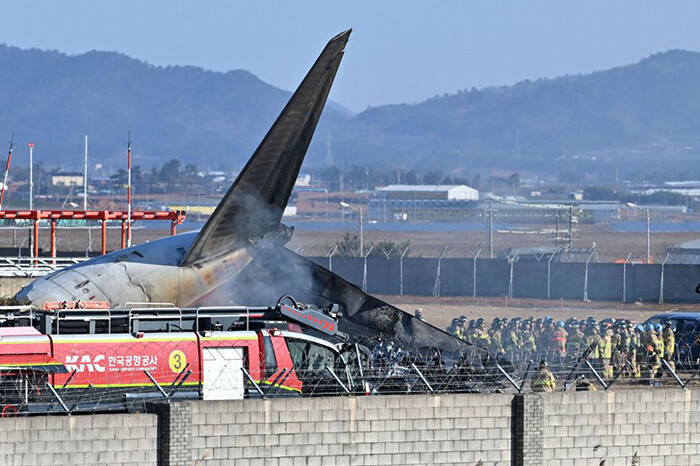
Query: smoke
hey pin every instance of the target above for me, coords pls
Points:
(276, 271)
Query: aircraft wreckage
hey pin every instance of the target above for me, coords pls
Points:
(239, 254)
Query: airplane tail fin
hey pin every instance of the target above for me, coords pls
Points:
(254, 204)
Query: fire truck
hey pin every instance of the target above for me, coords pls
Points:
(72, 356)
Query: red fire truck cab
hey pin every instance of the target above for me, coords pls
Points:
(77, 359)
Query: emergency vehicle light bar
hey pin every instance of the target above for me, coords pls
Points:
(312, 318)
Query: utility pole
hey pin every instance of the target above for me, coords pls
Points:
(490, 232)
(648, 242)
(85, 174)
(7, 170)
(31, 175)
(128, 194)
(362, 221)
(571, 227)
(489, 239)
(647, 214)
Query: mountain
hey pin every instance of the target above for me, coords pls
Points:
(645, 114)
(211, 118)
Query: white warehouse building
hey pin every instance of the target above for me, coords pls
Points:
(429, 191)
(401, 202)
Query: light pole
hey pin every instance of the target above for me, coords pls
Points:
(361, 214)
(648, 218)
(31, 175)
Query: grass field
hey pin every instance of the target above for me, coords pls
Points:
(610, 245)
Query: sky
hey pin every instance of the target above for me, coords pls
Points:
(400, 52)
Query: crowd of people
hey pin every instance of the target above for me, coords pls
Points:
(614, 348)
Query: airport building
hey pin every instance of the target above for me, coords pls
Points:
(423, 203)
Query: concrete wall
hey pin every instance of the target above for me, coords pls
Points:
(98, 439)
(447, 429)
(661, 426)
(606, 281)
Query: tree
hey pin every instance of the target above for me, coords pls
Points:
(411, 177)
(170, 172)
(120, 178)
(514, 181)
(349, 246)
(432, 177)
(600, 193)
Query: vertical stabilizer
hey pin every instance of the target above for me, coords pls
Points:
(254, 204)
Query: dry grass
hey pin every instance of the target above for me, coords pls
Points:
(610, 244)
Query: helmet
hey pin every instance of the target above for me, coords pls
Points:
(658, 327)
(639, 328)
(560, 324)
(650, 327)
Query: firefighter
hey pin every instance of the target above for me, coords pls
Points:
(419, 314)
(558, 341)
(495, 336)
(669, 344)
(593, 342)
(574, 341)
(543, 380)
(453, 328)
(480, 336)
(634, 350)
(653, 346)
(652, 361)
(618, 351)
(545, 342)
(606, 353)
(528, 340)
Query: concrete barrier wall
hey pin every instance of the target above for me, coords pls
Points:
(98, 439)
(660, 426)
(448, 429)
(530, 278)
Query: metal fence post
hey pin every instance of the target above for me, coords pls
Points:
(549, 274)
(511, 261)
(364, 272)
(330, 258)
(474, 274)
(436, 288)
(661, 285)
(585, 278)
(624, 278)
(401, 272)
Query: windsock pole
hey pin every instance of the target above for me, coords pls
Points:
(128, 195)
(7, 169)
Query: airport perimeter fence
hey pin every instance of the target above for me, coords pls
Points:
(113, 382)
(515, 277)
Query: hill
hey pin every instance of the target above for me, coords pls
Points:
(645, 113)
(648, 110)
(211, 118)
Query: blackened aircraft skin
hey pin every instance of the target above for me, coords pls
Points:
(239, 252)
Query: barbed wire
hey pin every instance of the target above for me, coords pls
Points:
(129, 377)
